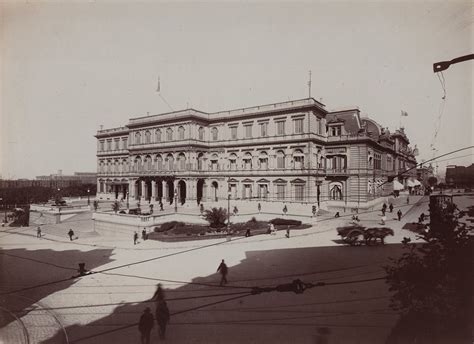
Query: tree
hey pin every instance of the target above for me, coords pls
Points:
(116, 206)
(216, 217)
(432, 283)
(432, 181)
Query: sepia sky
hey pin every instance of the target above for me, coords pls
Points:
(67, 68)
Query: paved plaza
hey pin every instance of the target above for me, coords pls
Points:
(103, 307)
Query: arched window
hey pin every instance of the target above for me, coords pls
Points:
(116, 166)
(170, 162)
(159, 162)
(182, 161)
(201, 133)
(148, 163)
(109, 166)
(181, 133)
(102, 166)
(200, 161)
(214, 134)
(147, 136)
(169, 134)
(233, 162)
(138, 164)
(335, 192)
(158, 135)
(137, 138)
(263, 161)
(124, 165)
(280, 159)
(247, 161)
(298, 159)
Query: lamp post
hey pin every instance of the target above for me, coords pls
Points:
(175, 200)
(88, 197)
(127, 200)
(228, 210)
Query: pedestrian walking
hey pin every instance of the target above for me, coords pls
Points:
(390, 207)
(162, 317)
(145, 326)
(144, 234)
(38, 232)
(408, 200)
(223, 270)
(161, 206)
(159, 293)
(272, 229)
(383, 211)
(384, 207)
(71, 234)
(384, 218)
(337, 215)
(247, 232)
(399, 214)
(287, 232)
(135, 238)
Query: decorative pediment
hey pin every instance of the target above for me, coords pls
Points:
(280, 181)
(298, 181)
(246, 180)
(263, 180)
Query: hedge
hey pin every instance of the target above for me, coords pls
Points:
(285, 222)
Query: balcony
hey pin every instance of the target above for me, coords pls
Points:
(336, 171)
(343, 138)
(113, 131)
(112, 152)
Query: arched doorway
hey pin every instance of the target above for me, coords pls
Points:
(159, 193)
(170, 191)
(200, 190)
(215, 187)
(138, 190)
(182, 191)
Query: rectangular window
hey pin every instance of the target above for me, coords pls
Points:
(318, 126)
(109, 145)
(124, 143)
(101, 146)
(377, 161)
(389, 163)
(280, 127)
(264, 129)
(299, 192)
(280, 191)
(298, 125)
(248, 130)
(233, 133)
(335, 131)
(117, 144)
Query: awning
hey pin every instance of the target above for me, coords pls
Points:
(397, 186)
(417, 182)
(410, 183)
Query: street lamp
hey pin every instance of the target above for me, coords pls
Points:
(175, 200)
(88, 198)
(228, 209)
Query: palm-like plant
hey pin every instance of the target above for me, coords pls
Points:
(216, 217)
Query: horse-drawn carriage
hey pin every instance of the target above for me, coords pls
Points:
(356, 235)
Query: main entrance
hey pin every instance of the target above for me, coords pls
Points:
(182, 191)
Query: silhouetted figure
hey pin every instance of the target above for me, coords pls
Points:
(408, 200)
(383, 211)
(247, 233)
(337, 215)
(399, 214)
(162, 317)
(390, 207)
(144, 234)
(71, 234)
(287, 232)
(223, 270)
(135, 238)
(285, 209)
(161, 206)
(384, 208)
(38, 232)
(145, 326)
(159, 293)
(422, 217)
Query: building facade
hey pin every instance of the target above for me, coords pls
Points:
(460, 176)
(294, 151)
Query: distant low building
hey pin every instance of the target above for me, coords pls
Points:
(460, 176)
(423, 173)
(60, 180)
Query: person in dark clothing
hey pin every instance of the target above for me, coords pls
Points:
(247, 232)
(162, 317)
(161, 206)
(390, 207)
(135, 238)
(38, 232)
(337, 215)
(71, 234)
(159, 293)
(384, 208)
(223, 270)
(399, 214)
(383, 211)
(144, 234)
(287, 232)
(422, 217)
(145, 326)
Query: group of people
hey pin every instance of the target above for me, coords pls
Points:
(162, 316)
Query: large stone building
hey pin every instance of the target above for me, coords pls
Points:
(294, 151)
(460, 176)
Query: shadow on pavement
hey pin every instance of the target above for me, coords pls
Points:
(337, 312)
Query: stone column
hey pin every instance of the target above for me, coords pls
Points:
(153, 190)
(98, 186)
(164, 191)
(131, 189)
(143, 186)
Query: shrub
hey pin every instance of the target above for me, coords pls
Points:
(285, 222)
(216, 217)
(166, 226)
(253, 219)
